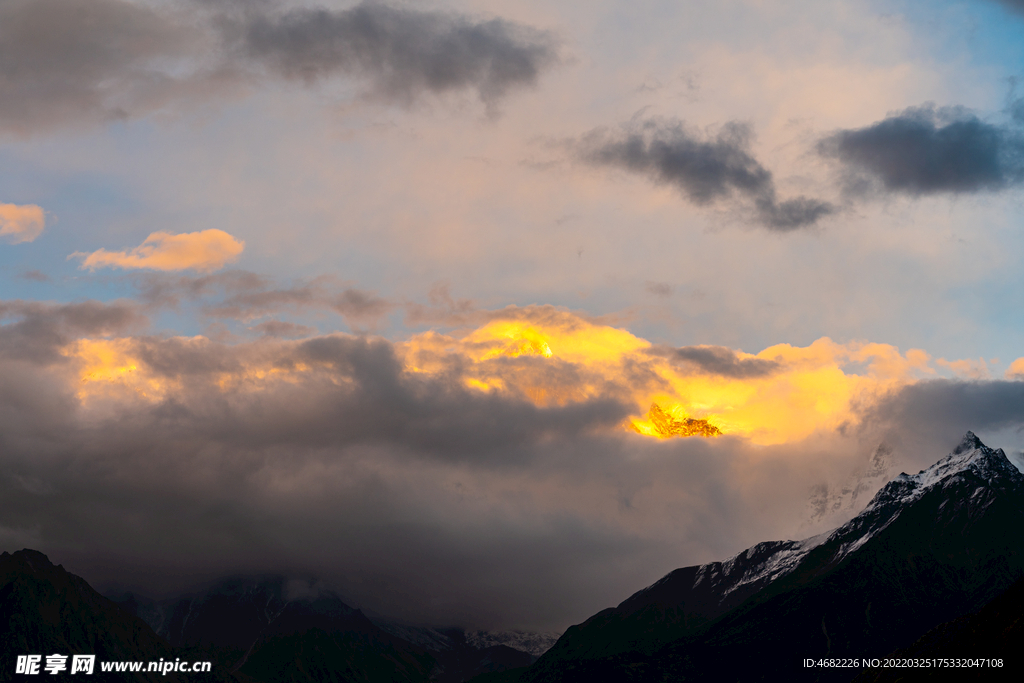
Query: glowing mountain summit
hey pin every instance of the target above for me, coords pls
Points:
(665, 424)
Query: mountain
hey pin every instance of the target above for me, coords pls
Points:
(462, 655)
(45, 610)
(993, 631)
(530, 642)
(274, 629)
(833, 501)
(928, 548)
(253, 630)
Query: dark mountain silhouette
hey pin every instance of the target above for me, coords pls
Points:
(259, 630)
(256, 628)
(275, 629)
(928, 548)
(995, 631)
(461, 661)
(45, 610)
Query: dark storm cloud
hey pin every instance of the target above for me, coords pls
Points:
(402, 52)
(355, 454)
(356, 393)
(79, 62)
(941, 411)
(716, 360)
(1016, 110)
(37, 331)
(925, 150)
(704, 169)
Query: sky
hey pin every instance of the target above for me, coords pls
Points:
(491, 314)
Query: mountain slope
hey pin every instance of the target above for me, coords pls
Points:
(993, 631)
(254, 630)
(265, 630)
(928, 548)
(45, 610)
(274, 629)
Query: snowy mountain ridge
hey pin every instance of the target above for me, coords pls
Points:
(970, 455)
(534, 643)
(832, 503)
(928, 548)
(769, 561)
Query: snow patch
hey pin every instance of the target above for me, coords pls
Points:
(534, 643)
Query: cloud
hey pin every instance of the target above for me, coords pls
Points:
(660, 289)
(540, 356)
(278, 455)
(402, 52)
(717, 360)
(444, 309)
(333, 390)
(72, 61)
(34, 276)
(359, 305)
(246, 296)
(966, 368)
(21, 223)
(202, 251)
(1016, 369)
(485, 478)
(39, 332)
(355, 305)
(1016, 110)
(704, 169)
(928, 150)
(81, 62)
(939, 411)
(166, 289)
(1017, 5)
(282, 329)
(554, 357)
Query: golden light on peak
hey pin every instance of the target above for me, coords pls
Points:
(668, 423)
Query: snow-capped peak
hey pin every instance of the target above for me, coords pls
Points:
(971, 455)
(729, 582)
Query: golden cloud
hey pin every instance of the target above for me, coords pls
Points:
(555, 358)
(966, 368)
(203, 251)
(21, 223)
